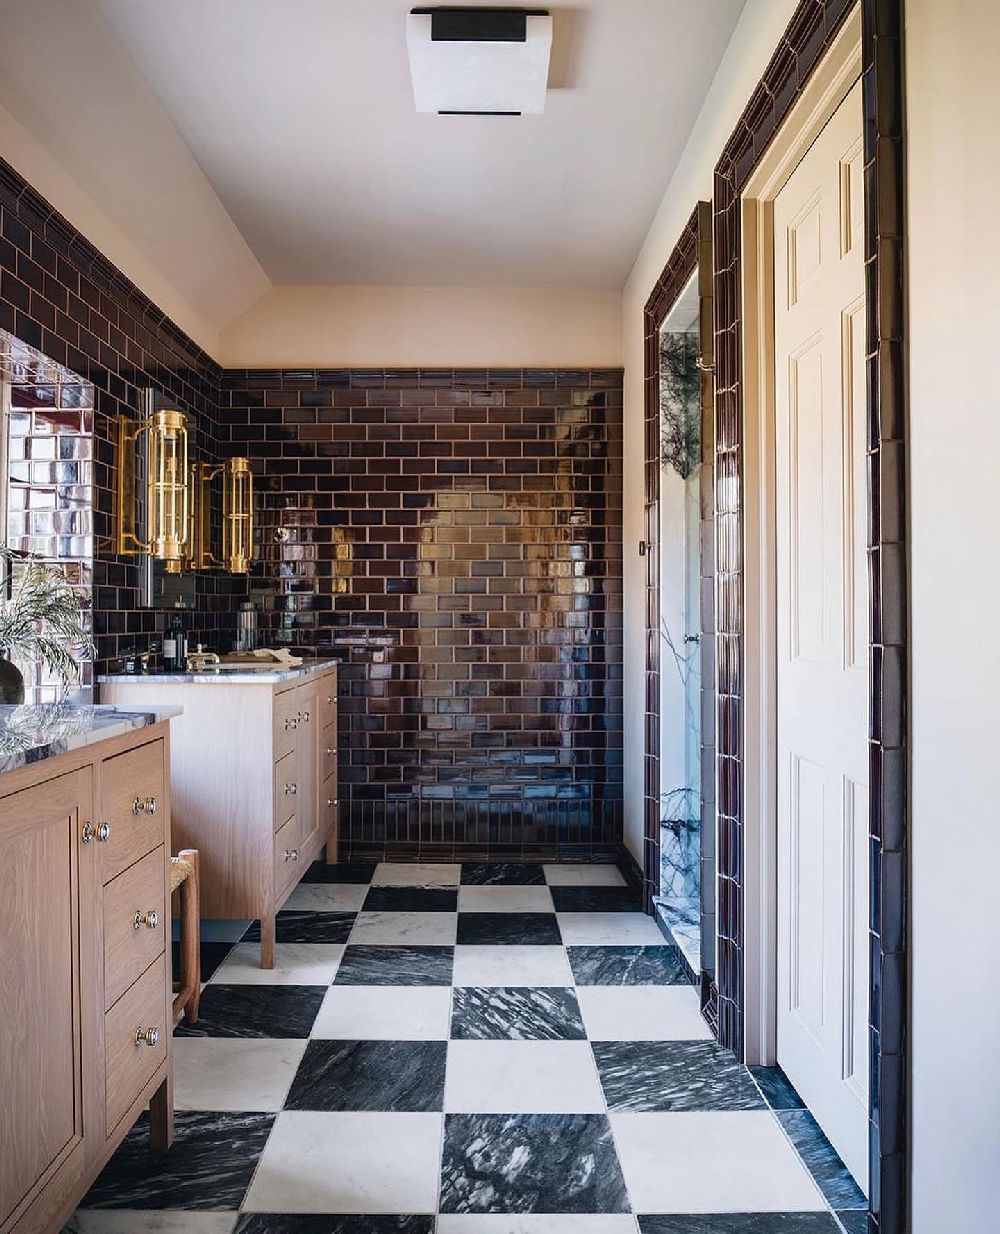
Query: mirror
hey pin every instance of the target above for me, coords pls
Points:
(47, 494)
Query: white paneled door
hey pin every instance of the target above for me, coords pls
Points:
(822, 633)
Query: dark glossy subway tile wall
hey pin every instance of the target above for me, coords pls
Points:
(61, 296)
(454, 538)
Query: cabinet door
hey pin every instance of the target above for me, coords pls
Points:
(49, 984)
(307, 798)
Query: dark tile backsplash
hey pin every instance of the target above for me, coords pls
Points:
(63, 297)
(454, 537)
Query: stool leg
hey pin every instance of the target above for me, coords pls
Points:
(191, 937)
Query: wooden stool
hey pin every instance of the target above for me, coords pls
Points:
(184, 877)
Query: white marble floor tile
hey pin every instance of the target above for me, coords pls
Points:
(327, 897)
(537, 1223)
(435, 929)
(384, 1013)
(222, 1073)
(349, 1163)
(609, 930)
(522, 1077)
(642, 1013)
(711, 1162)
(148, 1221)
(414, 874)
(486, 965)
(583, 876)
(501, 899)
(294, 964)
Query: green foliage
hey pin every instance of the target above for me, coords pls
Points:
(40, 617)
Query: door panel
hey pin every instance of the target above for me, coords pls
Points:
(822, 634)
(46, 983)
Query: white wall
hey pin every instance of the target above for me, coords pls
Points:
(408, 327)
(953, 93)
(752, 45)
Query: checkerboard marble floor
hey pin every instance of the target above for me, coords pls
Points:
(476, 1049)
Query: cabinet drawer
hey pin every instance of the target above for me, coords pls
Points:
(135, 924)
(286, 723)
(135, 1040)
(286, 788)
(328, 752)
(286, 856)
(327, 687)
(132, 807)
(328, 806)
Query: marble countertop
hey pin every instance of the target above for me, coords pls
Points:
(229, 674)
(31, 733)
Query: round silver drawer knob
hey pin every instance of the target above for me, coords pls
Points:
(291, 789)
(104, 833)
(291, 854)
(150, 919)
(147, 1036)
(88, 833)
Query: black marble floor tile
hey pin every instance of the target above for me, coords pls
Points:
(854, 1222)
(373, 965)
(208, 1169)
(673, 1075)
(342, 872)
(411, 900)
(777, 1089)
(256, 1011)
(515, 1013)
(596, 900)
(512, 929)
(503, 874)
(652, 965)
(332, 1223)
(370, 1075)
(740, 1223)
(530, 1163)
(293, 926)
(822, 1160)
(212, 955)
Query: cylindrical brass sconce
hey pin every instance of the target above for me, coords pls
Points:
(167, 495)
(237, 515)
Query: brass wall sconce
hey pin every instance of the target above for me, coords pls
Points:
(166, 513)
(237, 515)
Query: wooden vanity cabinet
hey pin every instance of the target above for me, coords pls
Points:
(254, 775)
(78, 977)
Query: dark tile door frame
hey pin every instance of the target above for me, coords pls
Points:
(691, 254)
(814, 25)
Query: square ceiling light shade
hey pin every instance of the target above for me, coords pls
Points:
(479, 61)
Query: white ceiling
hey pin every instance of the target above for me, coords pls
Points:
(301, 117)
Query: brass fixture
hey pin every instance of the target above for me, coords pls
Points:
(237, 515)
(167, 499)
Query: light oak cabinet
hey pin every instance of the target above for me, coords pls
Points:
(79, 977)
(254, 784)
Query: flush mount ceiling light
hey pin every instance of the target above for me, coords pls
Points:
(479, 61)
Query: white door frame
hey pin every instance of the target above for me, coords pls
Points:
(826, 89)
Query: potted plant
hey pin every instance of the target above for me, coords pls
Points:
(41, 619)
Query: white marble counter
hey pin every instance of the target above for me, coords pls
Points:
(31, 733)
(224, 674)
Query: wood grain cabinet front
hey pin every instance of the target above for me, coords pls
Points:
(253, 769)
(84, 920)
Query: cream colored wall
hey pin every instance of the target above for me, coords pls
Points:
(752, 45)
(953, 104)
(426, 326)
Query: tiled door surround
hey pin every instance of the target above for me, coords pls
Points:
(811, 31)
(692, 253)
(454, 537)
(461, 1048)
